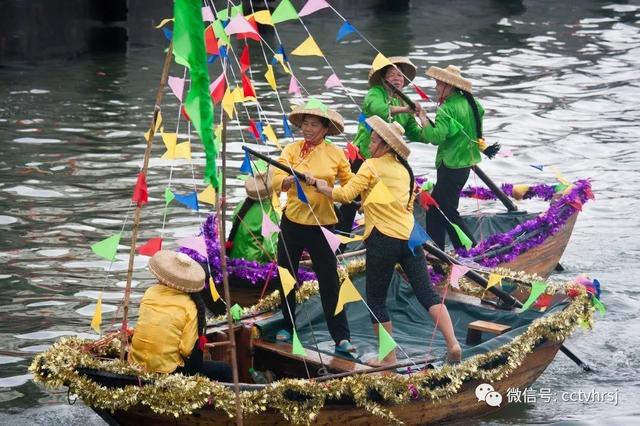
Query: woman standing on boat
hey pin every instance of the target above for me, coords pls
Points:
(301, 221)
(458, 135)
(381, 102)
(387, 230)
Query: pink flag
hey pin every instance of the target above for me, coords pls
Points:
(268, 227)
(217, 88)
(207, 15)
(332, 239)
(332, 81)
(239, 25)
(312, 6)
(293, 86)
(177, 86)
(457, 271)
(194, 243)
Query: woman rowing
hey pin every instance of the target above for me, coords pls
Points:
(306, 212)
(388, 226)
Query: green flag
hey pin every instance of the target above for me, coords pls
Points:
(107, 248)
(298, 349)
(189, 50)
(599, 305)
(223, 16)
(560, 187)
(387, 344)
(284, 12)
(168, 196)
(218, 30)
(236, 312)
(537, 288)
(464, 240)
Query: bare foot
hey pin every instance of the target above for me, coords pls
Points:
(454, 353)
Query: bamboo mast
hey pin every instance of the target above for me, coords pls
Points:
(136, 220)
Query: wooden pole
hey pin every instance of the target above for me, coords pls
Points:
(221, 211)
(495, 188)
(136, 218)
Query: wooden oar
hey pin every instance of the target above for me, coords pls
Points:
(495, 188)
(405, 98)
(505, 297)
(275, 163)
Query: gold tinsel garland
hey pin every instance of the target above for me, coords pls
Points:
(179, 395)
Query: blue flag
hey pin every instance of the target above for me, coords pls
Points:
(344, 30)
(418, 237)
(286, 128)
(281, 52)
(301, 195)
(246, 165)
(260, 127)
(361, 119)
(189, 200)
(167, 33)
(211, 59)
(223, 52)
(537, 166)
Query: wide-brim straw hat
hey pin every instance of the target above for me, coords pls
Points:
(391, 133)
(178, 271)
(403, 63)
(336, 122)
(450, 75)
(258, 187)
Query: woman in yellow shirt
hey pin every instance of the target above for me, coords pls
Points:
(301, 221)
(387, 230)
(171, 321)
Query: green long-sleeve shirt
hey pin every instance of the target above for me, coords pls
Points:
(245, 245)
(455, 133)
(378, 102)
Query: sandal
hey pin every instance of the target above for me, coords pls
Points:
(283, 336)
(346, 347)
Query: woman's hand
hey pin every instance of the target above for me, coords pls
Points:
(323, 187)
(310, 179)
(287, 182)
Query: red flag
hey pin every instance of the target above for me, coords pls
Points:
(184, 113)
(421, 93)
(151, 247)
(218, 92)
(253, 36)
(543, 301)
(140, 193)
(426, 200)
(210, 41)
(245, 62)
(247, 88)
(254, 130)
(576, 204)
(352, 152)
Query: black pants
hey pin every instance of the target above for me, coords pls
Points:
(383, 252)
(214, 370)
(348, 211)
(298, 238)
(447, 193)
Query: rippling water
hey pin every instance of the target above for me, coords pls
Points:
(560, 84)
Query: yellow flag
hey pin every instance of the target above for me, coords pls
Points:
(208, 195)
(344, 239)
(170, 140)
(271, 79)
(183, 150)
(308, 48)
(380, 62)
(558, 175)
(97, 315)
(348, 293)
(271, 135)
(286, 280)
(494, 279)
(228, 103)
(263, 17)
(280, 59)
(238, 95)
(214, 291)
(379, 194)
(218, 132)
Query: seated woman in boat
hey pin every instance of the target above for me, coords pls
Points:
(387, 230)
(458, 135)
(245, 239)
(301, 221)
(381, 102)
(169, 335)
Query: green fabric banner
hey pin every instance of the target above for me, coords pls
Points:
(189, 50)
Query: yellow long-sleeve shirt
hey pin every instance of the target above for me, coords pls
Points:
(394, 219)
(325, 161)
(167, 329)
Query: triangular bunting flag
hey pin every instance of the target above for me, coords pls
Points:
(208, 196)
(286, 279)
(348, 293)
(254, 130)
(245, 167)
(168, 196)
(537, 288)
(224, 16)
(271, 135)
(268, 227)
(294, 87)
(263, 17)
(239, 24)
(297, 348)
(494, 280)
(96, 321)
(332, 239)
(218, 29)
(332, 81)
(301, 195)
(238, 95)
(543, 302)
(387, 344)
(464, 240)
(281, 57)
(270, 77)
(167, 33)
(228, 104)
(252, 35)
(183, 150)
(353, 152)
(599, 305)
(345, 30)
(380, 61)
(247, 87)
(214, 291)
(537, 166)
(140, 192)
(177, 86)
(236, 312)
(151, 247)
(417, 237)
(284, 12)
(218, 88)
(189, 200)
(245, 61)
(194, 243)
(309, 47)
(108, 247)
(345, 240)
(285, 127)
(313, 6)
(426, 200)
(207, 14)
(457, 272)
(380, 194)
(210, 41)
(421, 93)
(170, 140)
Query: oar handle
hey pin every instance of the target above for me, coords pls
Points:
(495, 188)
(404, 97)
(275, 163)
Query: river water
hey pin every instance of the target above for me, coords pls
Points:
(560, 85)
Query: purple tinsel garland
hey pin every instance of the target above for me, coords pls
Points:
(548, 224)
(542, 191)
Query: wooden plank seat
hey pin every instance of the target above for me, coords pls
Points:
(475, 329)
